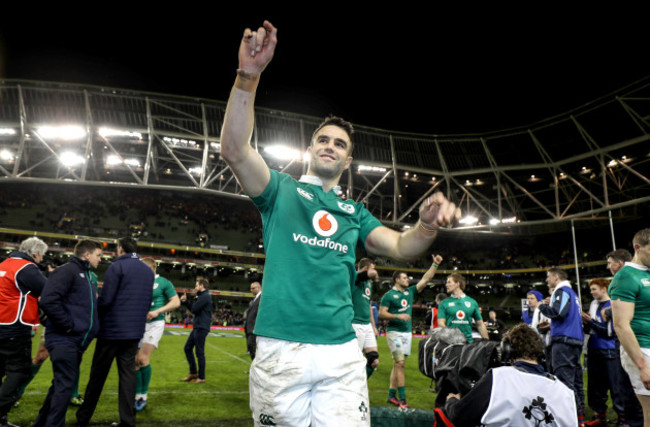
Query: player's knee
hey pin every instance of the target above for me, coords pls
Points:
(398, 357)
(373, 359)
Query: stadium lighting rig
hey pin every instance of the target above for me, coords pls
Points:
(62, 132)
(70, 159)
(282, 152)
(6, 156)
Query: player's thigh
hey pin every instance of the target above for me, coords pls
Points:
(279, 392)
(341, 396)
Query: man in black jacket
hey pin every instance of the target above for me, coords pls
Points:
(21, 282)
(123, 305)
(202, 311)
(70, 302)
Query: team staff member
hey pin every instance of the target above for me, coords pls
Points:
(630, 294)
(523, 394)
(202, 311)
(310, 235)
(251, 317)
(567, 336)
(163, 300)
(396, 307)
(21, 282)
(123, 305)
(458, 310)
(69, 300)
(363, 321)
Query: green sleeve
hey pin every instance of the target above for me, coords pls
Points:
(367, 223)
(624, 287)
(168, 291)
(266, 200)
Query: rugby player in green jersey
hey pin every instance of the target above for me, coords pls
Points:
(397, 307)
(458, 310)
(164, 299)
(630, 294)
(363, 321)
(308, 369)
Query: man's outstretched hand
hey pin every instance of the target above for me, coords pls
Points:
(257, 48)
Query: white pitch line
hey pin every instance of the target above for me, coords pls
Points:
(247, 362)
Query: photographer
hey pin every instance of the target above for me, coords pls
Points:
(523, 394)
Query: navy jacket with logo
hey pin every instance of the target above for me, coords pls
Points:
(69, 299)
(125, 298)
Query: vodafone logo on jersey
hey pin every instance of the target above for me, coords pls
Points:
(324, 223)
(368, 291)
(460, 315)
(404, 303)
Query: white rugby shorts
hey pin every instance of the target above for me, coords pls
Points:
(399, 341)
(633, 371)
(365, 335)
(153, 332)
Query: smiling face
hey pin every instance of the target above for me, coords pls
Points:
(330, 152)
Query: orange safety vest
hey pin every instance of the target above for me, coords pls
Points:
(16, 305)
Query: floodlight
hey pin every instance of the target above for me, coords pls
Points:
(469, 220)
(65, 132)
(282, 152)
(7, 131)
(69, 159)
(6, 156)
(106, 132)
(113, 160)
(494, 221)
(196, 170)
(132, 162)
(365, 168)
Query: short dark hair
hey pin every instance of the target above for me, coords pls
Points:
(364, 262)
(338, 122)
(621, 255)
(128, 244)
(642, 237)
(84, 246)
(525, 342)
(558, 272)
(203, 282)
(441, 296)
(396, 275)
(458, 278)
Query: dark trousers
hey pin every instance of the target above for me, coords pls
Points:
(565, 359)
(251, 344)
(196, 340)
(603, 375)
(65, 367)
(123, 351)
(15, 365)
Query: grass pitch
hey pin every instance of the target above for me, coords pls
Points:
(221, 401)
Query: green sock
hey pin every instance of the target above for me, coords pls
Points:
(402, 392)
(392, 392)
(146, 378)
(138, 381)
(32, 374)
(75, 392)
(369, 371)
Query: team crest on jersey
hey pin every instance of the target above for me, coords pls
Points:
(404, 303)
(155, 285)
(406, 292)
(324, 223)
(646, 282)
(468, 304)
(346, 207)
(537, 410)
(305, 194)
(460, 314)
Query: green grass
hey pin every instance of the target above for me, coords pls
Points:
(221, 401)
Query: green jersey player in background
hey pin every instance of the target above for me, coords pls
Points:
(164, 299)
(397, 307)
(363, 321)
(304, 323)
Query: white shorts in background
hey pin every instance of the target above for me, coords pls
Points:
(153, 331)
(365, 336)
(633, 371)
(399, 341)
(298, 384)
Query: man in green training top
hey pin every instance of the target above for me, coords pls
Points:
(308, 369)
(458, 310)
(164, 299)
(630, 294)
(363, 321)
(396, 307)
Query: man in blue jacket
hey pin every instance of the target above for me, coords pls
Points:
(564, 309)
(123, 305)
(202, 311)
(69, 300)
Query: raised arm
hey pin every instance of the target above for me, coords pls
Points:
(435, 212)
(437, 259)
(255, 52)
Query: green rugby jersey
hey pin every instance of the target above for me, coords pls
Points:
(310, 238)
(459, 312)
(361, 294)
(632, 284)
(399, 302)
(163, 290)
